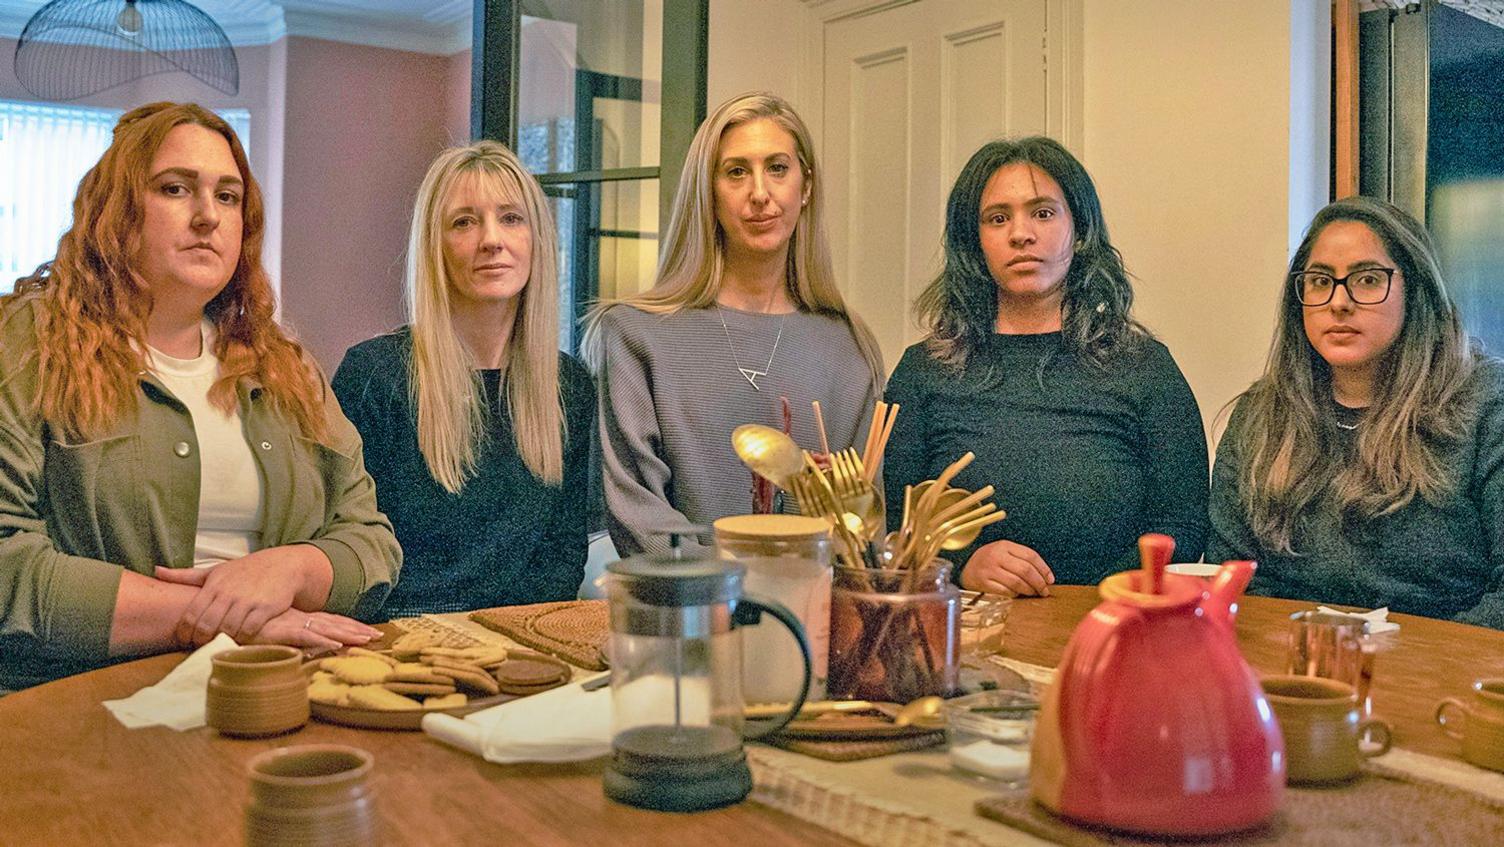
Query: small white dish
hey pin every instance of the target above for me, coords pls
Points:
(1201, 569)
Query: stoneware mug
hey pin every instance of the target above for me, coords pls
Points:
(257, 691)
(312, 795)
(1482, 716)
(1319, 719)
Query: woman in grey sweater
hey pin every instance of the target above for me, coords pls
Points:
(745, 313)
(1366, 467)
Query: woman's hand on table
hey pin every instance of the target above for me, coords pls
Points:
(241, 596)
(314, 630)
(1007, 567)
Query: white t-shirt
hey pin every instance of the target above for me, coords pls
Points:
(229, 501)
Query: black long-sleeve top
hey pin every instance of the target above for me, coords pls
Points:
(507, 537)
(1442, 559)
(1084, 459)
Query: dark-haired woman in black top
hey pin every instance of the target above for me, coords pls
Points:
(1078, 416)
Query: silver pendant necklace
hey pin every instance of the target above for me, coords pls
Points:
(1348, 427)
(749, 374)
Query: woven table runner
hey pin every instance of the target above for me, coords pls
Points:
(917, 799)
(832, 750)
(1380, 807)
(573, 630)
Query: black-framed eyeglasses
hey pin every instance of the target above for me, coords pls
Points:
(1368, 286)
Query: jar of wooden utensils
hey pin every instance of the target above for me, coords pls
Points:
(894, 633)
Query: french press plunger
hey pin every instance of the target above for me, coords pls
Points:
(676, 681)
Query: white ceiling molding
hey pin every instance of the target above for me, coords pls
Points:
(422, 26)
(372, 30)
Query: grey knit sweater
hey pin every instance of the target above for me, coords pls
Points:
(671, 393)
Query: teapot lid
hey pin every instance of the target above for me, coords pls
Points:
(1127, 587)
(677, 578)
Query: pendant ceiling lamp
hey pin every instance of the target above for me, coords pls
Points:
(74, 48)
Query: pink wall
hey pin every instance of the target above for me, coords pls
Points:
(362, 125)
(341, 135)
(261, 93)
(457, 86)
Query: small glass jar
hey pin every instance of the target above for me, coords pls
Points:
(989, 734)
(984, 618)
(893, 633)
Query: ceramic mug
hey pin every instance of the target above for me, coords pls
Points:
(1319, 720)
(313, 795)
(1482, 733)
(257, 691)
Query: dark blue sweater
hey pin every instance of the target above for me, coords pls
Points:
(506, 538)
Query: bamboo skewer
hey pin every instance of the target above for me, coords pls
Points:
(820, 425)
(874, 429)
(871, 463)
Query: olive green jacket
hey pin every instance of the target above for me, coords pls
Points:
(72, 515)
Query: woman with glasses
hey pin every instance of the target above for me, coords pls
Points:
(745, 325)
(1080, 419)
(1366, 466)
(477, 428)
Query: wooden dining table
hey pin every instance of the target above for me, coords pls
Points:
(71, 774)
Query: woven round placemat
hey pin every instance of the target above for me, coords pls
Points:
(573, 630)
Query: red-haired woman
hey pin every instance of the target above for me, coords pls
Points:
(172, 466)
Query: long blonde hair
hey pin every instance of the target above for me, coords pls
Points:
(1423, 402)
(693, 259)
(452, 418)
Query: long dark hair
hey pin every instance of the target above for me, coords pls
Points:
(960, 307)
(1423, 400)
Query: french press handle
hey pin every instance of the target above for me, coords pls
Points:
(749, 610)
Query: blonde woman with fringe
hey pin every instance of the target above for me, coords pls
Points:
(478, 428)
(744, 315)
(1366, 466)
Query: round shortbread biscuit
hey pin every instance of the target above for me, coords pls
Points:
(469, 678)
(419, 688)
(371, 654)
(330, 692)
(376, 697)
(528, 672)
(447, 701)
(357, 670)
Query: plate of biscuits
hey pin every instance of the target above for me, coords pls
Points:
(416, 676)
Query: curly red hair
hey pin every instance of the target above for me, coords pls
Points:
(94, 304)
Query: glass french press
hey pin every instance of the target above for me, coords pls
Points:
(676, 681)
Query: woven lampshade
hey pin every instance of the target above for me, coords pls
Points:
(74, 48)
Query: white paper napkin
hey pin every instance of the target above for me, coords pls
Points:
(177, 702)
(1378, 619)
(566, 724)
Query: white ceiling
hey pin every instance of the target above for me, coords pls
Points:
(425, 26)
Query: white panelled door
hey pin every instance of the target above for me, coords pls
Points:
(909, 92)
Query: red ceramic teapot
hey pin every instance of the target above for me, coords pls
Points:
(1155, 723)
